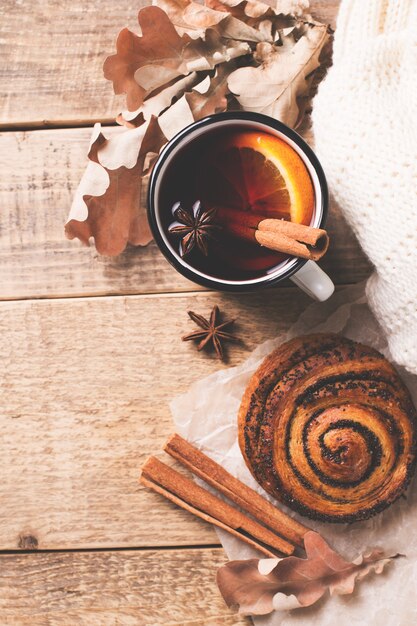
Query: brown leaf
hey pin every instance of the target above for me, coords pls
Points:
(207, 97)
(211, 99)
(218, 50)
(177, 117)
(108, 204)
(160, 101)
(298, 8)
(242, 9)
(142, 64)
(190, 17)
(259, 587)
(282, 76)
(193, 18)
(255, 13)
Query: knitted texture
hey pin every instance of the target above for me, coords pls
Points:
(365, 128)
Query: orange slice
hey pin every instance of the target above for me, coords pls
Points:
(259, 172)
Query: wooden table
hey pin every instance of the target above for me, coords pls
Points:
(91, 356)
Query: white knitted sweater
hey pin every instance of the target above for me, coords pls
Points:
(365, 126)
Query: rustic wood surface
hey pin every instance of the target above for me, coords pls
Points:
(85, 380)
(85, 390)
(150, 588)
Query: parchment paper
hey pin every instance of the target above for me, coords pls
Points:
(206, 416)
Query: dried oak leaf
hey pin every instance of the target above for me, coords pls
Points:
(108, 204)
(177, 117)
(210, 96)
(259, 587)
(190, 17)
(207, 97)
(242, 9)
(217, 49)
(142, 64)
(282, 76)
(157, 103)
(298, 8)
(193, 87)
(254, 12)
(147, 63)
(200, 55)
(194, 18)
(249, 8)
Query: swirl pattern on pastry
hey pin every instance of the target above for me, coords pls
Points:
(327, 426)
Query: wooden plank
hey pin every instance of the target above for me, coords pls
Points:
(36, 260)
(147, 588)
(52, 55)
(85, 386)
(43, 169)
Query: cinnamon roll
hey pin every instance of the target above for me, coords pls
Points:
(327, 426)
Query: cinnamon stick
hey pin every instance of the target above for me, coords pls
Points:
(188, 495)
(243, 496)
(290, 238)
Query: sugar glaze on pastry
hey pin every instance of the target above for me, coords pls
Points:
(327, 426)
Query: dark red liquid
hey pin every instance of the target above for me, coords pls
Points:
(212, 170)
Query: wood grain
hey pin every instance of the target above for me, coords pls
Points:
(146, 588)
(52, 56)
(85, 386)
(43, 170)
(36, 260)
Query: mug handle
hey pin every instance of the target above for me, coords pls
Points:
(311, 279)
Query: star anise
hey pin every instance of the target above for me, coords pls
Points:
(195, 227)
(211, 331)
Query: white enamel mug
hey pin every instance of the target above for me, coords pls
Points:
(305, 274)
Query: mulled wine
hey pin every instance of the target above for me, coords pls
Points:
(217, 185)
